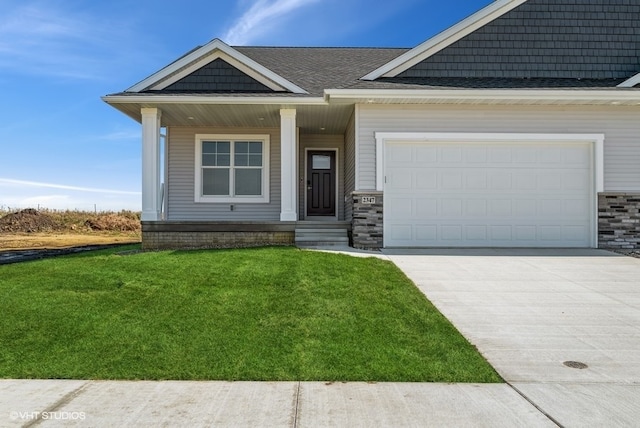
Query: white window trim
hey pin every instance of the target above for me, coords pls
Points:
(264, 198)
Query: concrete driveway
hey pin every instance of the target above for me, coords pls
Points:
(538, 314)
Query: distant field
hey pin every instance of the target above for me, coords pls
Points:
(44, 228)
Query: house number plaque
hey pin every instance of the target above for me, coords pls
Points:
(369, 200)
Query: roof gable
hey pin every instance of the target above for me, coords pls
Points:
(217, 76)
(216, 65)
(540, 39)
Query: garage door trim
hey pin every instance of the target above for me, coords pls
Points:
(595, 141)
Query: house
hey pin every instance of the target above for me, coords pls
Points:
(517, 127)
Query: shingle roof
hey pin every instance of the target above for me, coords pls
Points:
(317, 69)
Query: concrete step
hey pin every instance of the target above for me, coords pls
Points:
(321, 232)
(321, 237)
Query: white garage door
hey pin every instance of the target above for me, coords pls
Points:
(488, 194)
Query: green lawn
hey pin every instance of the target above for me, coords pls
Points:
(254, 314)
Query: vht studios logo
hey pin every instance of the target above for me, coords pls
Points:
(57, 416)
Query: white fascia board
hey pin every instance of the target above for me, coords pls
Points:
(444, 39)
(196, 99)
(630, 83)
(612, 96)
(201, 57)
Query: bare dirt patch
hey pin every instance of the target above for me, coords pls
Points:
(44, 229)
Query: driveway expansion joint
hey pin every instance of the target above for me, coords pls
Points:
(530, 401)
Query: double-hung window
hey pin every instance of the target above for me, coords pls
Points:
(232, 168)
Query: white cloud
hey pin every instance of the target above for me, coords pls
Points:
(18, 194)
(261, 16)
(8, 182)
(133, 134)
(38, 38)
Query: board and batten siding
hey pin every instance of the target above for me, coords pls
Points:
(619, 124)
(317, 141)
(181, 203)
(349, 166)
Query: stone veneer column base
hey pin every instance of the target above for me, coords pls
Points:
(367, 220)
(619, 220)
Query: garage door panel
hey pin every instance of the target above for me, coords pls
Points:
(576, 156)
(426, 179)
(451, 180)
(526, 233)
(451, 208)
(550, 181)
(499, 180)
(500, 154)
(401, 180)
(476, 180)
(525, 181)
(476, 233)
(491, 195)
(475, 155)
(525, 155)
(451, 154)
(401, 155)
(426, 155)
(523, 208)
(426, 208)
(501, 208)
(575, 181)
(476, 207)
(400, 208)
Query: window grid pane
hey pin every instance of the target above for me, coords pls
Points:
(216, 153)
(222, 177)
(248, 182)
(215, 182)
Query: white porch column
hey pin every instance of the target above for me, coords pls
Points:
(289, 161)
(151, 164)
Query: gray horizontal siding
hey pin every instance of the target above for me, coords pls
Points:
(317, 141)
(181, 203)
(589, 39)
(349, 166)
(620, 125)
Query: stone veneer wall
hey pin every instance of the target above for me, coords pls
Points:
(367, 220)
(619, 220)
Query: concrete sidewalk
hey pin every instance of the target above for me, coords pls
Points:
(52, 403)
(528, 311)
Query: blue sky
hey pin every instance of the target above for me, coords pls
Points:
(62, 147)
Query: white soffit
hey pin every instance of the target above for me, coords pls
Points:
(444, 39)
(630, 83)
(208, 53)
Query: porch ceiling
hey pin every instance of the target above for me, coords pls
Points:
(311, 119)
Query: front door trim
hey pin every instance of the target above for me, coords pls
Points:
(306, 177)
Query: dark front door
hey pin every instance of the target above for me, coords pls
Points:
(321, 183)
